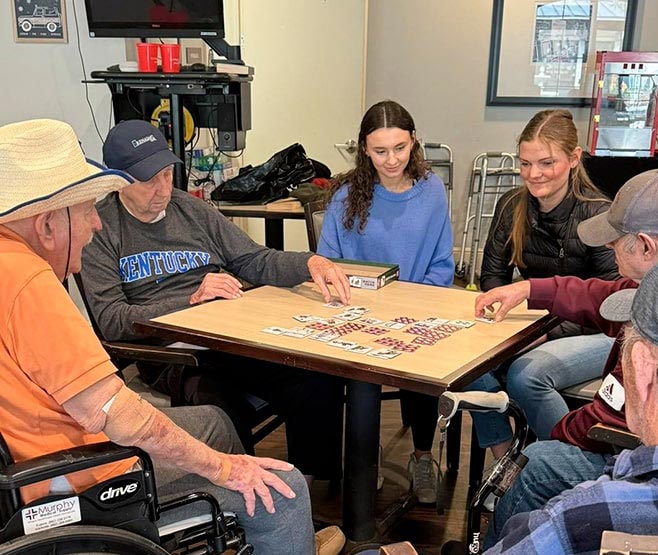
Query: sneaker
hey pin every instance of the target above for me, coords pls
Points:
(329, 541)
(423, 477)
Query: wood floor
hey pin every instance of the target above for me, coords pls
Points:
(426, 530)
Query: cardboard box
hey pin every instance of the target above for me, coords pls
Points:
(368, 275)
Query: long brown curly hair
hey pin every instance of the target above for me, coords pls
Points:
(555, 128)
(363, 177)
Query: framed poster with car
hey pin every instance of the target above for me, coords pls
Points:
(543, 52)
(39, 20)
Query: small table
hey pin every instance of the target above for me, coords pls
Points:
(235, 327)
(272, 216)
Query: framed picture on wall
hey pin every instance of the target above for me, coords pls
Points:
(543, 52)
(39, 20)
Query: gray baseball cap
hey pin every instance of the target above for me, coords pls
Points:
(634, 210)
(638, 306)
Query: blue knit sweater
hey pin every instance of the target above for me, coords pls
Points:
(411, 229)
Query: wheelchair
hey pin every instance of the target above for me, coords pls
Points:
(502, 474)
(119, 516)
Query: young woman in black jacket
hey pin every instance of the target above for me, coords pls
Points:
(534, 231)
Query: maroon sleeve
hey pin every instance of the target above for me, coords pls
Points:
(577, 300)
(573, 427)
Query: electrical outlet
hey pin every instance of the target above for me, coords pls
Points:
(193, 55)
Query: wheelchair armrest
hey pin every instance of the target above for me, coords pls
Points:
(616, 543)
(66, 461)
(402, 548)
(614, 436)
(135, 351)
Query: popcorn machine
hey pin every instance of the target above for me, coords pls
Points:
(624, 119)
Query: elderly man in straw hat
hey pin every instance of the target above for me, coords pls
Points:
(58, 388)
(625, 497)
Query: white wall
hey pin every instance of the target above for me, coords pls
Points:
(307, 88)
(44, 80)
(432, 56)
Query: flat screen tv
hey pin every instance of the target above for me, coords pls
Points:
(156, 18)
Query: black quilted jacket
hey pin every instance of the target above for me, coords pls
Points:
(551, 247)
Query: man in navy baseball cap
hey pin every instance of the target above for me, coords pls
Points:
(139, 149)
(161, 250)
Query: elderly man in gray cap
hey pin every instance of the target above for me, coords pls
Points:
(58, 388)
(630, 228)
(625, 497)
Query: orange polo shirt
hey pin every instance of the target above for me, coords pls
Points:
(48, 354)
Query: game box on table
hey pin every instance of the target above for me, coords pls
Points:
(368, 275)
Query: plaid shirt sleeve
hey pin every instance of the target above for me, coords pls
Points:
(573, 522)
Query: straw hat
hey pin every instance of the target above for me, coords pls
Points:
(42, 168)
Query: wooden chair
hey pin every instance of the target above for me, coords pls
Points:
(314, 216)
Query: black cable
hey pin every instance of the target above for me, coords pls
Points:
(84, 74)
(68, 254)
(109, 123)
(193, 143)
(139, 111)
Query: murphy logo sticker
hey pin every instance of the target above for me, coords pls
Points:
(51, 515)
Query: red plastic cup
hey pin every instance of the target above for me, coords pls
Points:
(170, 58)
(147, 57)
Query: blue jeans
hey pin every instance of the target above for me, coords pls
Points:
(552, 468)
(286, 532)
(534, 380)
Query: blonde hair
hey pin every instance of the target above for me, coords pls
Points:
(555, 128)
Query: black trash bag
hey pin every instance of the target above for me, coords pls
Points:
(270, 181)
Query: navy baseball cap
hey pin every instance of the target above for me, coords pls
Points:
(137, 148)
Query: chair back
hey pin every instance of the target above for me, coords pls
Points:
(314, 216)
(90, 314)
(9, 500)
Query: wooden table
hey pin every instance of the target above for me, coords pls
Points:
(273, 219)
(235, 327)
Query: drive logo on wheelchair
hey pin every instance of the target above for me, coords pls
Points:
(119, 491)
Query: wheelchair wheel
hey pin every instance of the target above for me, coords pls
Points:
(82, 540)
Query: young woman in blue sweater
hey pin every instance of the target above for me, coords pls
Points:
(391, 208)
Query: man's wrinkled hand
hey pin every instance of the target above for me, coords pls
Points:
(323, 272)
(508, 296)
(250, 477)
(217, 286)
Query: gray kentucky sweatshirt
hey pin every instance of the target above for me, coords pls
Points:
(133, 271)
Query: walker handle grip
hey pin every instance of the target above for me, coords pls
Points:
(477, 401)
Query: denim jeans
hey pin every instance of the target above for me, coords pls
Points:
(552, 468)
(534, 380)
(288, 531)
